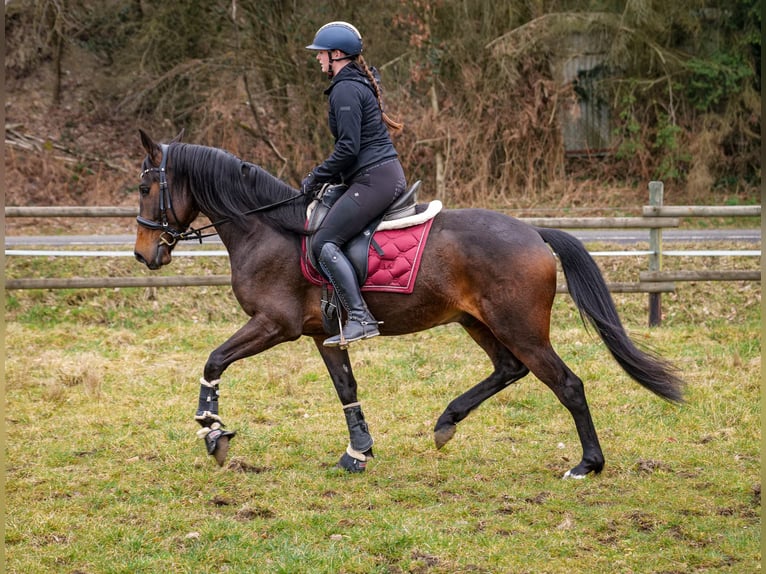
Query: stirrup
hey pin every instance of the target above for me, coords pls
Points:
(367, 330)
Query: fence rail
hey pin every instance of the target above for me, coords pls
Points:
(649, 286)
(700, 275)
(70, 211)
(602, 222)
(702, 211)
(115, 282)
(655, 217)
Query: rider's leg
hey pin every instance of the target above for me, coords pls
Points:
(360, 324)
(367, 198)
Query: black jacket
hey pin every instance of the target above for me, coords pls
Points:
(361, 137)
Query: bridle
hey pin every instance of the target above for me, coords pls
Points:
(171, 235)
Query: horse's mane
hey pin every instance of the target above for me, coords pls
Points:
(226, 187)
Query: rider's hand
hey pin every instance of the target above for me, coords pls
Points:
(310, 184)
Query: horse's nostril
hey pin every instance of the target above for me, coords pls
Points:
(140, 258)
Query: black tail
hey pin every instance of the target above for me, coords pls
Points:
(591, 295)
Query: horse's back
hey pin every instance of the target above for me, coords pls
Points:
(477, 263)
(490, 240)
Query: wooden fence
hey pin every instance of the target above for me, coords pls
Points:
(655, 273)
(655, 281)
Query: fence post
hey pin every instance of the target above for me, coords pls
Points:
(656, 190)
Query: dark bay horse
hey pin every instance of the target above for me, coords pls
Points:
(492, 274)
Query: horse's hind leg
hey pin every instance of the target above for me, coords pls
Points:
(359, 448)
(568, 388)
(508, 369)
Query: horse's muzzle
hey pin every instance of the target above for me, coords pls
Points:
(140, 258)
(161, 257)
(151, 249)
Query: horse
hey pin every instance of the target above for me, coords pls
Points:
(492, 274)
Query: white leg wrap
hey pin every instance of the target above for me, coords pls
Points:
(211, 384)
(355, 454)
(203, 432)
(349, 405)
(207, 415)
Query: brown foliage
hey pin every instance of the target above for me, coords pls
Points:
(242, 81)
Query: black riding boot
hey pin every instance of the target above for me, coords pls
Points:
(360, 323)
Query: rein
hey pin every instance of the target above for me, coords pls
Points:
(170, 235)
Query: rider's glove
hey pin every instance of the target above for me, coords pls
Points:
(309, 184)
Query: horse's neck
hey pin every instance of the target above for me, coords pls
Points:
(233, 238)
(261, 241)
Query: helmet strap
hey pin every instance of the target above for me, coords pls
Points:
(330, 71)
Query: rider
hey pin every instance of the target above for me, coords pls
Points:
(364, 158)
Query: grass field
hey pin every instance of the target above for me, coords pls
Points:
(105, 474)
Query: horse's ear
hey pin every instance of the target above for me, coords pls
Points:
(151, 148)
(179, 136)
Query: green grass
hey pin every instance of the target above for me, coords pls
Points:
(105, 474)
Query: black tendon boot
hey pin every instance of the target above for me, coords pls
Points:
(360, 444)
(360, 323)
(207, 417)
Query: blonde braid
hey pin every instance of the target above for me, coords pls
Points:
(392, 124)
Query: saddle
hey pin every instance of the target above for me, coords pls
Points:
(357, 249)
(404, 212)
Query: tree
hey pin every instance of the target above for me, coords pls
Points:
(478, 85)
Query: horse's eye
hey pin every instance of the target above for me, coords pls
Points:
(143, 189)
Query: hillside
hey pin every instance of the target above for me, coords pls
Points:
(485, 119)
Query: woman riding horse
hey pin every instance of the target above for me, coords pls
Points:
(364, 158)
(492, 274)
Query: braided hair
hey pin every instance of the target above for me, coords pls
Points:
(392, 124)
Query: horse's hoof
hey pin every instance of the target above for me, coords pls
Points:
(444, 434)
(594, 465)
(217, 442)
(573, 475)
(221, 450)
(351, 464)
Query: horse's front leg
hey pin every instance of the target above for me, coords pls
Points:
(212, 430)
(257, 335)
(359, 449)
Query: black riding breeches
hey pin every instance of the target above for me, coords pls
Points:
(369, 194)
